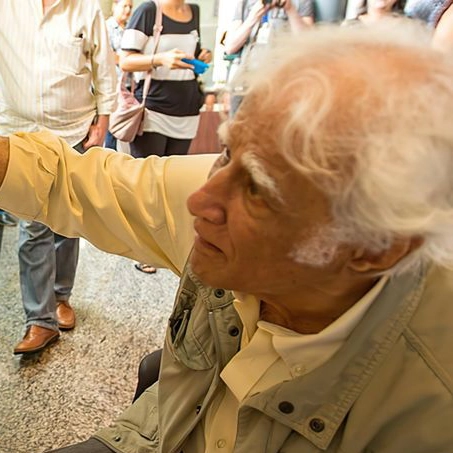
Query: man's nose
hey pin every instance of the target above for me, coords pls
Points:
(204, 204)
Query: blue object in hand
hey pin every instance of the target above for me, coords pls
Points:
(199, 67)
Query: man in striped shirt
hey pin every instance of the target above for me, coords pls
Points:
(59, 75)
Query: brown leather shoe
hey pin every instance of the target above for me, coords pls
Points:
(36, 338)
(65, 315)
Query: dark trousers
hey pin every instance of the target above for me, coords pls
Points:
(154, 144)
(89, 446)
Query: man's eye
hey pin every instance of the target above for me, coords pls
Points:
(253, 188)
(221, 161)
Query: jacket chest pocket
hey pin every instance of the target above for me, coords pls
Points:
(189, 336)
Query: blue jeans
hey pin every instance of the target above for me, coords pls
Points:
(110, 141)
(47, 267)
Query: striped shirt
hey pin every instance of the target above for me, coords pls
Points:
(175, 99)
(57, 69)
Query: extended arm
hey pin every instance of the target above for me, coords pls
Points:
(126, 206)
(240, 31)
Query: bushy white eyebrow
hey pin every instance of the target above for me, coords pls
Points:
(259, 174)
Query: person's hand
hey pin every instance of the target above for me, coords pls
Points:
(205, 55)
(258, 11)
(287, 5)
(96, 133)
(172, 59)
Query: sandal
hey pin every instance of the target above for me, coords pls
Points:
(145, 268)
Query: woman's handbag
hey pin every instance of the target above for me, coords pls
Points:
(126, 122)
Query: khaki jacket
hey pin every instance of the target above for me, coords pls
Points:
(389, 389)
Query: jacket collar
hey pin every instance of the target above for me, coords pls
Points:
(335, 386)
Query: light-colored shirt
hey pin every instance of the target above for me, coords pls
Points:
(57, 70)
(115, 32)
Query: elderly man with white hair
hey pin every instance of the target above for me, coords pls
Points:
(315, 311)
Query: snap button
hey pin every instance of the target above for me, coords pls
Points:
(300, 369)
(117, 438)
(219, 293)
(286, 407)
(233, 331)
(317, 425)
(221, 443)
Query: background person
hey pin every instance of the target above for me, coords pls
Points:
(247, 28)
(60, 75)
(374, 11)
(116, 23)
(175, 98)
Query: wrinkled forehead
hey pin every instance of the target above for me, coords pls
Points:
(251, 130)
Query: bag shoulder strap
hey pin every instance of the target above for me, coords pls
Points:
(157, 30)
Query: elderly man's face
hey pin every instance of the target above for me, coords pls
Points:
(254, 214)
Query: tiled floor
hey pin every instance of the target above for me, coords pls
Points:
(85, 379)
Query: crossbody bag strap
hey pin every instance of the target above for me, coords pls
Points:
(157, 30)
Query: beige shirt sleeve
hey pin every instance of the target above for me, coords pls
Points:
(126, 206)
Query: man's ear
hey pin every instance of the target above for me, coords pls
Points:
(364, 261)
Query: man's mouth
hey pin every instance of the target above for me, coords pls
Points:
(201, 242)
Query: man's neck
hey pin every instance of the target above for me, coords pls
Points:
(310, 310)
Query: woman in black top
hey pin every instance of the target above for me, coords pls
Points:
(174, 100)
